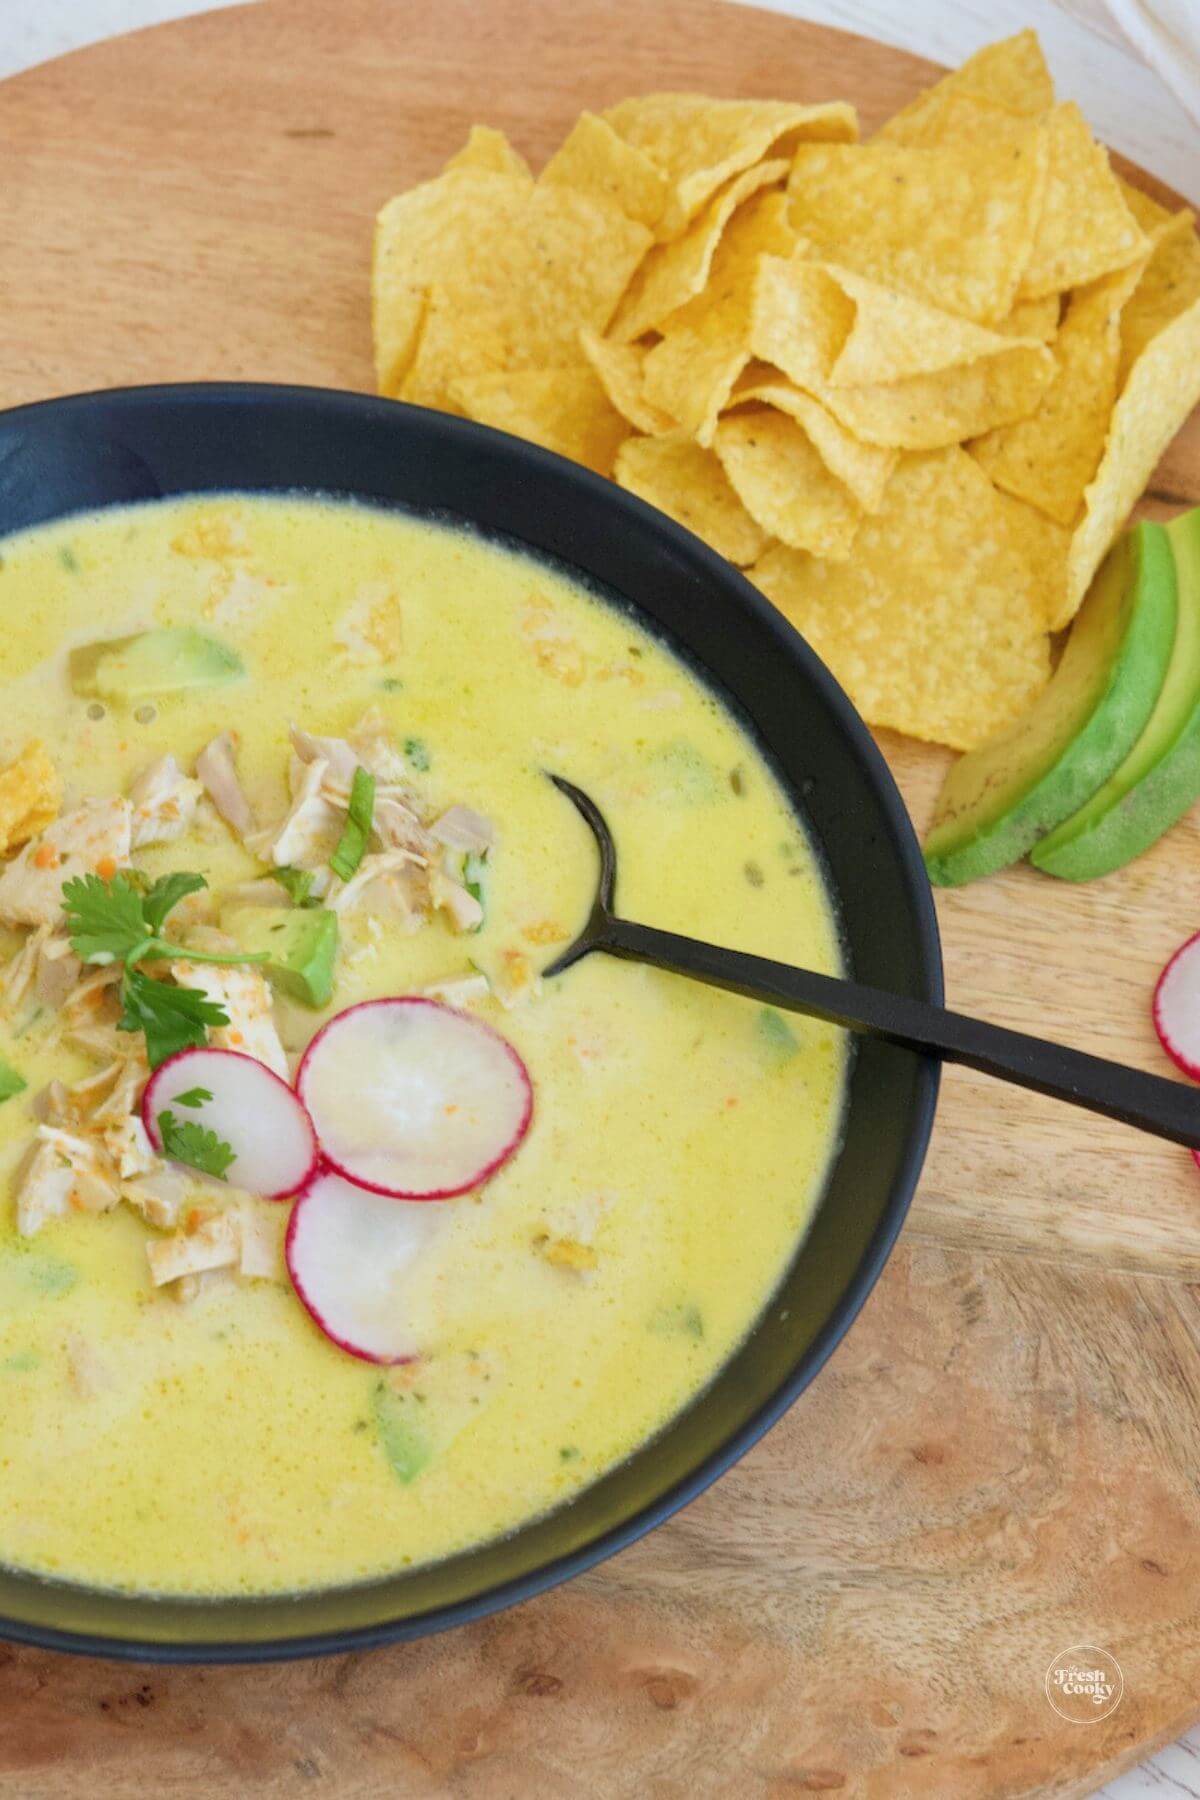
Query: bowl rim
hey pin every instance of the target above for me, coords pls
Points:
(460, 435)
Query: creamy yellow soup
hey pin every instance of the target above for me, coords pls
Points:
(208, 1439)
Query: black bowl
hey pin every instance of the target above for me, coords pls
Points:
(95, 450)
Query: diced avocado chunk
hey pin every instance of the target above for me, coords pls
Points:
(152, 664)
(300, 943)
(997, 801)
(10, 1081)
(401, 1436)
(1160, 778)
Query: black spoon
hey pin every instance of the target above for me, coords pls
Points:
(1168, 1109)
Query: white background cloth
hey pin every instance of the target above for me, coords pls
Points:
(1134, 67)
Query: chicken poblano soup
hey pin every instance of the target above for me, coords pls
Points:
(334, 1238)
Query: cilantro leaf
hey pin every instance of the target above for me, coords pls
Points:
(172, 1018)
(353, 842)
(166, 894)
(194, 1097)
(417, 752)
(296, 883)
(185, 1141)
(104, 918)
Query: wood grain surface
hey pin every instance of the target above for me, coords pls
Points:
(1002, 1459)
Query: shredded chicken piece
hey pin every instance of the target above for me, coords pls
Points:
(61, 1171)
(339, 759)
(382, 884)
(246, 998)
(58, 972)
(462, 828)
(21, 970)
(397, 827)
(215, 1244)
(217, 769)
(30, 796)
(164, 803)
(129, 1147)
(52, 1104)
(90, 1373)
(372, 743)
(310, 830)
(94, 839)
(451, 897)
(123, 1095)
(43, 1188)
(158, 1196)
(458, 990)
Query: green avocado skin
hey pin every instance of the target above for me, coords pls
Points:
(1106, 736)
(1171, 783)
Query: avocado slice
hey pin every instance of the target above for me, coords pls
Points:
(152, 664)
(997, 801)
(300, 942)
(1160, 778)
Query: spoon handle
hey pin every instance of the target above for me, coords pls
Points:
(1168, 1109)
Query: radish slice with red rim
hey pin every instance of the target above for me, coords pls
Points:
(351, 1255)
(414, 1099)
(247, 1106)
(1176, 1008)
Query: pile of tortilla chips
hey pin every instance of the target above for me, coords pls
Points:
(914, 386)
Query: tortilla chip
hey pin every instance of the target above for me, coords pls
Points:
(952, 226)
(1148, 213)
(803, 323)
(1044, 545)
(777, 472)
(1169, 285)
(689, 484)
(1032, 319)
(1010, 74)
(705, 344)
(700, 143)
(1085, 229)
(962, 119)
(1162, 388)
(928, 412)
(894, 336)
(1049, 457)
(801, 318)
(619, 368)
(936, 625)
(863, 468)
(596, 161)
(566, 410)
(672, 274)
(450, 347)
(522, 267)
(489, 151)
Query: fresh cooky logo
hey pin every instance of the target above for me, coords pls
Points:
(1084, 1684)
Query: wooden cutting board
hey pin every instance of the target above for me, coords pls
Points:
(1003, 1459)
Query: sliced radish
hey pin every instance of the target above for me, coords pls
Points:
(1176, 1008)
(351, 1255)
(250, 1109)
(414, 1099)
